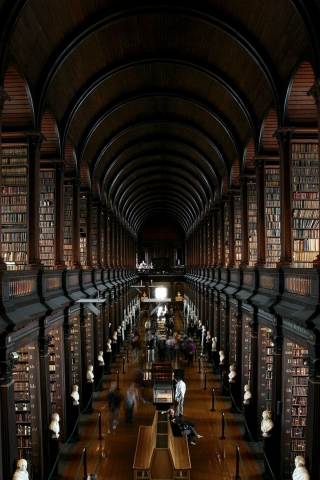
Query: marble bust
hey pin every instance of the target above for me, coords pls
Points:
(214, 344)
(300, 472)
(21, 472)
(266, 423)
(100, 359)
(75, 394)
(222, 357)
(247, 395)
(54, 425)
(232, 374)
(90, 375)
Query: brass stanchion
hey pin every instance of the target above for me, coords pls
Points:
(237, 476)
(212, 407)
(222, 428)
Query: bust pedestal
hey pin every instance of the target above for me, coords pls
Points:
(54, 448)
(74, 414)
(249, 418)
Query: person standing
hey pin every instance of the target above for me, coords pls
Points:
(179, 396)
(190, 349)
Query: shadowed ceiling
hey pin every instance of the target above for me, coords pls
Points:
(154, 104)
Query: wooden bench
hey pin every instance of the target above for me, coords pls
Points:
(159, 455)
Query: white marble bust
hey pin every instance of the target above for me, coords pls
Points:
(266, 423)
(214, 344)
(21, 472)
(100, 358)
(75, 394)
(109, 349)
(222, 357)
(54, 425)
(90, 375)
(232, 374)
(300, 472)
(247, 395)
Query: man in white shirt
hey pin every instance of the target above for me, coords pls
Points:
(179, 396)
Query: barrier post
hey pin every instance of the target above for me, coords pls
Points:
(195, 354)
(123, 364)
(85, 474)
(118, 380)
(100, 435)
(199, 360)
(127, 355)
(212, 405)
(205, 380)
(222, 428)
(237, 476)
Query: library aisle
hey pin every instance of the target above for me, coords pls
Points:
(113, 455)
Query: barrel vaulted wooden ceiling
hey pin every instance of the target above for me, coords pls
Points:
(158, 107)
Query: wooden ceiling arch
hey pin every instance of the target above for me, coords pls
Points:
(151, 90)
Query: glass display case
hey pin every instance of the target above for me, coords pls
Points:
(162, 394)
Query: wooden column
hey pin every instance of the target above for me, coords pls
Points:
(284, 137)
(4, 97)
(76, 223)
(68, 375)
(222, 239)
(99, 234)
(34, 143)
(209, 248)
(259, 163)
(254, 377)
(89, 230)
(215, 237)
(59, 215)
(45, 400)
(244, 217)
(277, 407)
(231, 229)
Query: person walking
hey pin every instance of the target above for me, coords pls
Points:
(113, 400)
(190, 349)
(130, 403)
(179, 396)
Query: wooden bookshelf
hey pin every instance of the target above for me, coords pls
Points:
(295, 414)
(14, 201)
(56, 371)
(219, 236)
(26, 407)
(102, 238)
(237, 228)
(246, 351)
(305, 203)
(83, 231)
(273, 225)
(46, 217)
(252, 223)
(265, 369)
(68, 226)
(300, 374)
(226, 235)
(75, 351)
(94, 246)
(89, 339)
(233, 335)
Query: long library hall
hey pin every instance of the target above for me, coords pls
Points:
(159, 174)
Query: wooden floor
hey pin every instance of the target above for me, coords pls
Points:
(212, 458)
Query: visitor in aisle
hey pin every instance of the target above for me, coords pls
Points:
(113, 401)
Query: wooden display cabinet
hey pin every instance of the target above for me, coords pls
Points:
(162, 394)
